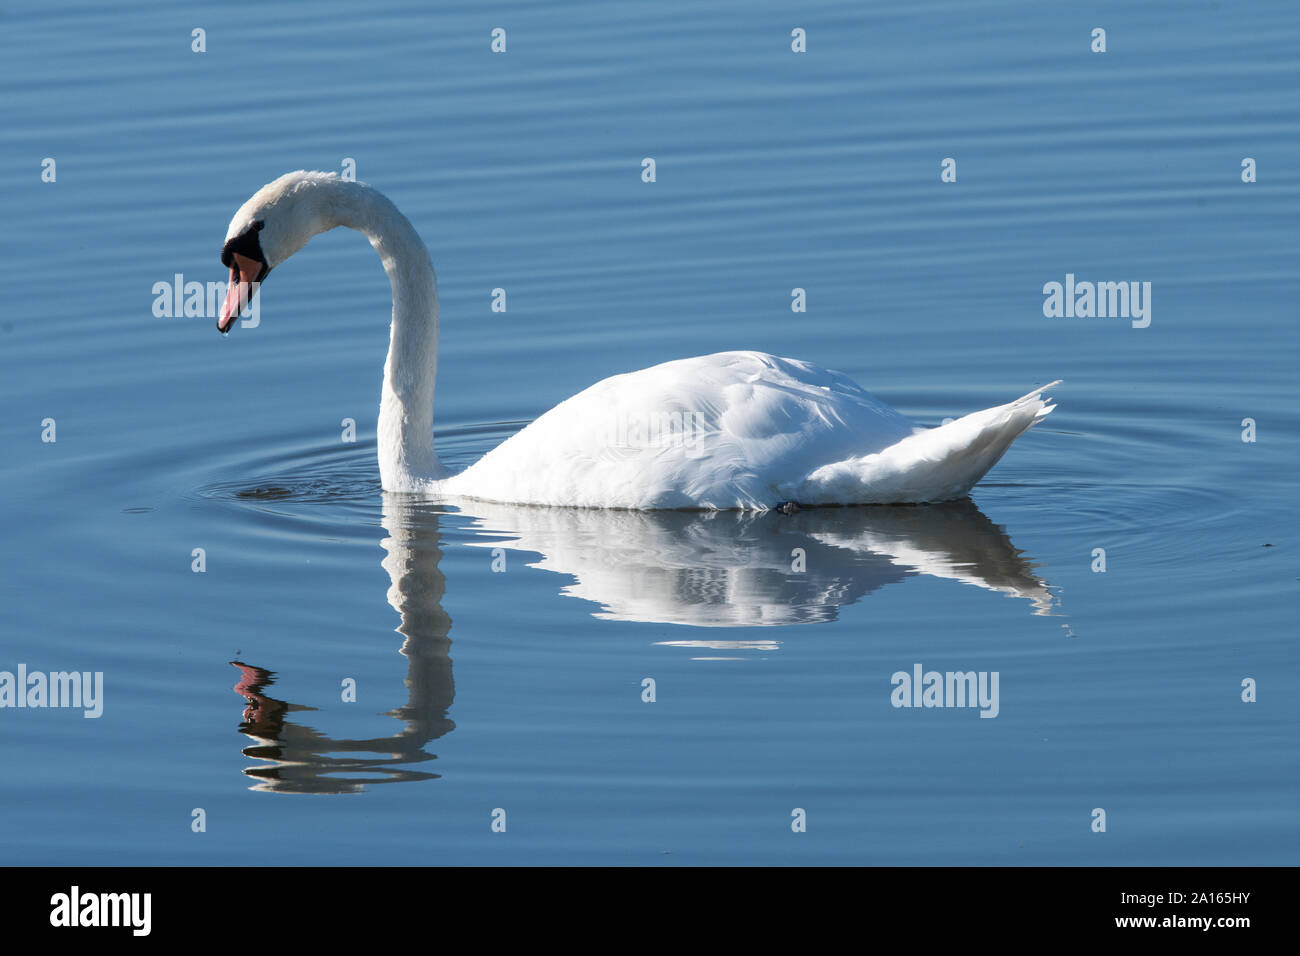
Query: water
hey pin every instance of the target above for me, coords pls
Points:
(521, 689)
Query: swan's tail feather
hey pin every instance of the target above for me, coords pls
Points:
(1037, 394)
(936, 464)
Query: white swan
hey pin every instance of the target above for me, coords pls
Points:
(733, 430)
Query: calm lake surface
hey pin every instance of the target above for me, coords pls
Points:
(498, 653)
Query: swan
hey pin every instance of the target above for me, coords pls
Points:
(735, 430)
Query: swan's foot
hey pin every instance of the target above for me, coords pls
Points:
(788, 507)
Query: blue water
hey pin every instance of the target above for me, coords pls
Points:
(520, 689)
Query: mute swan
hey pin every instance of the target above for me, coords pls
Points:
(735, 430)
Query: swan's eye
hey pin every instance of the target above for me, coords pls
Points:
(245, 244)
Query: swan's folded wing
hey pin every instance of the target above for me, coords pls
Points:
(731, 430)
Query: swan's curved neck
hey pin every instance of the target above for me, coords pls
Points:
(405, 432)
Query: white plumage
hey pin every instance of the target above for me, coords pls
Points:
(738, 430)
(732, 430)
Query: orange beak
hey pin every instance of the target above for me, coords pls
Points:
(245, 275)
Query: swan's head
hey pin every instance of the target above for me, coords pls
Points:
(275, 223)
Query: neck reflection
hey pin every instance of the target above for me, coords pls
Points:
(297, 758)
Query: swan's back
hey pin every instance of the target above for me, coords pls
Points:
(730, 430)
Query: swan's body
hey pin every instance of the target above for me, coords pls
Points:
(732, 430)
(737, 430)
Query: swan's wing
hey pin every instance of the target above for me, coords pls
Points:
(937, 464)
(731, 430)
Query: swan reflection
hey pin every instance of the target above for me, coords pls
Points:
(745, 569)
(700, 569)
(299, 759)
